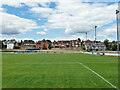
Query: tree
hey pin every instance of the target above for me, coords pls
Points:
(82, 43)
(106, 42)
(114, 47)
(91, 49)
(119, 47)
(25, 41)
(16, 47)
(31, 41)
(21, 41)
(79, 39)
(113, 41)
(49, 46)
(84, 48)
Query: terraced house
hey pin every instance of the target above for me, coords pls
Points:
(44, 44)
(92, 45)
(66, 43)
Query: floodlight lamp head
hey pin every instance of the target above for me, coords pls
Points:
(117, 11)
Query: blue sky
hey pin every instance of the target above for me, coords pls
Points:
(57, 20)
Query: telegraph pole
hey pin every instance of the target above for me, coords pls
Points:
(95, 36)
(117, 12)
(86, 36)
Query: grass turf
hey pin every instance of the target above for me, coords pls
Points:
(58, 71)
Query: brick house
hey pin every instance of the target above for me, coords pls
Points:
(91, 45)
(27, 45)
(44, 44)
(76, 43)
(67, 43)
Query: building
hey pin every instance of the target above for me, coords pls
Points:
(10, 45)
(66, 44)
(92, 45)
(27, 44)
(44, 44)
(76, 43)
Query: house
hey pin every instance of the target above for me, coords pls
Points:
(92, 45)
(66, 43)
(28, 44)
(44, 44)
(55, 44)
(76, 43)
(112, 43)
(10, 45)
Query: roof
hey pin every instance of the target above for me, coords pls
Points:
(89, 41)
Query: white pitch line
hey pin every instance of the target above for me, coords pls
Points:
(99, 76)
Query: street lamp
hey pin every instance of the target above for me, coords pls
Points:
(86, 36)
(95, 33)
(95, 36)
(117, 30)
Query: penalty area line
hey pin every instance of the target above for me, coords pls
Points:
(99, 76)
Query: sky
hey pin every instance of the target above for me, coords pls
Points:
(57, 19)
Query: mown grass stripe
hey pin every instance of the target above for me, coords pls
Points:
(99, 76)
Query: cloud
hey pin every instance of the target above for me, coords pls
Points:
(12, 25)
(44, 12)
(17, 39)
(30, 3)
(45, 29)
(72, 15)
(42, 33)
(1, 9)
(42, 26)
(41, 10)
(108, 32)
(111, 29)
(77, 17)
(101, 0)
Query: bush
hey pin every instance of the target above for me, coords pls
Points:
(16, 47)
(49, 46)
(83, 48)
(110, 49)
(114, 47)
(44, 48)
(91, 49)
(56, 46)
(96, 49)
(7, 51)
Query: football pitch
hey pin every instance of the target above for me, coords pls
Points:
(73, 70)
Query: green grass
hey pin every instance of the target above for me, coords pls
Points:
(58, 71)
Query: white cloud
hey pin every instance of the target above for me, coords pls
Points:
(71, 15)
(42, 33)
(17, 39)
(109, 32)
(77, 17)
(44, 12)
(21, 3)
(41, 10)
(12, 25)
(45, 29)
(1, 9)
(112, 29)
(100, 0)
(42, 26)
